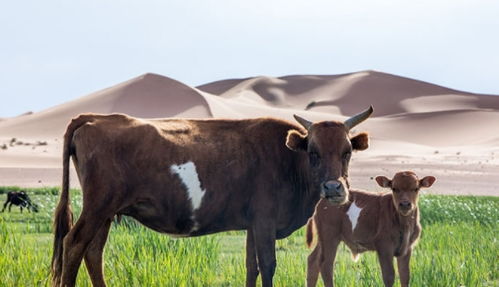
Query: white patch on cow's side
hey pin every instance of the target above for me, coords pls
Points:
(189, 176)
(353, 214)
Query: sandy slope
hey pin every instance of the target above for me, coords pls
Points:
(416, 125)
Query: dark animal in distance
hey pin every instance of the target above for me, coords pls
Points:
(387, 223)
(21, 199)
(196, 177)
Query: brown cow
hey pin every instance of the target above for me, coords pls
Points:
(387, 223)
(196, 177)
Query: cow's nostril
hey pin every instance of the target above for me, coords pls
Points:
(332, 185)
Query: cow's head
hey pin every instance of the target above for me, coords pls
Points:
(405, 187)
(329, 147)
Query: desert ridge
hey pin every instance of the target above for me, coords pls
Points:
(414, 122)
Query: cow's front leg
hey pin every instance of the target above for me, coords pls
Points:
(385, 258)
(251, 263)
(265, 236)
(403, 267)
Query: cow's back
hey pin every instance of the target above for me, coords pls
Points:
(238, 164)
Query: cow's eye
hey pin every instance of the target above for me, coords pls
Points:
(416, 189)
(314, 158)
(396, 190)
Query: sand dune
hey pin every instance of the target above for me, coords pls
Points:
(415, 123)
(146, 96)
(349, 91)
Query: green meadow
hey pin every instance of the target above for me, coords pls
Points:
(459, 247)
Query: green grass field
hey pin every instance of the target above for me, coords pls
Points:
(459, 247)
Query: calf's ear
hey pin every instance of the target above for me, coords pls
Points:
(295, 141)
(360, 141)
(383, 181)
(427, 181)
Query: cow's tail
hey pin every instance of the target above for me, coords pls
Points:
(310, 232)
(63, 216)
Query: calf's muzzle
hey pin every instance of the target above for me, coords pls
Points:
(405, 207)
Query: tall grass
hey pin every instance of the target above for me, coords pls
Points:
(459, 247)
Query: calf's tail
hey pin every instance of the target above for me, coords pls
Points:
(310, 232)
(63, 216)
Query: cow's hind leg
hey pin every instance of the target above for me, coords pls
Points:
(93, 256)
(251, 263)
(78, 240)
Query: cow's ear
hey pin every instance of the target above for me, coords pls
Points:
(360, 141)
(427, 181)
(296, 141)
(383, 181)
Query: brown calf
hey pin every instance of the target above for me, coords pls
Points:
(387, 223)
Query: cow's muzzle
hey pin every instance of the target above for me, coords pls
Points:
(334, 191)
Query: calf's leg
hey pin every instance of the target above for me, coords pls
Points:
(386, 261)
(251, 263)
(313, 266)
(403, 267)
(93, 256)
(329, 247)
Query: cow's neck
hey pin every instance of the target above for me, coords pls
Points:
(309, 192)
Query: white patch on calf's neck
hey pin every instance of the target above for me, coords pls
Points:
(189, 176)
(353, 214)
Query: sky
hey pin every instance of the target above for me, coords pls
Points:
(54, 51)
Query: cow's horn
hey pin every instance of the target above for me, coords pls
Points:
(358, 118)
(305, 123)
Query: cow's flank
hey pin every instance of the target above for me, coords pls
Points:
(196, 177)
(387, 223)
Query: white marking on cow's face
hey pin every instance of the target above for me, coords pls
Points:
(189, 176)
(353, 214)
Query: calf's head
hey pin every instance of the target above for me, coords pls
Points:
(405, 187)
(329, 147)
